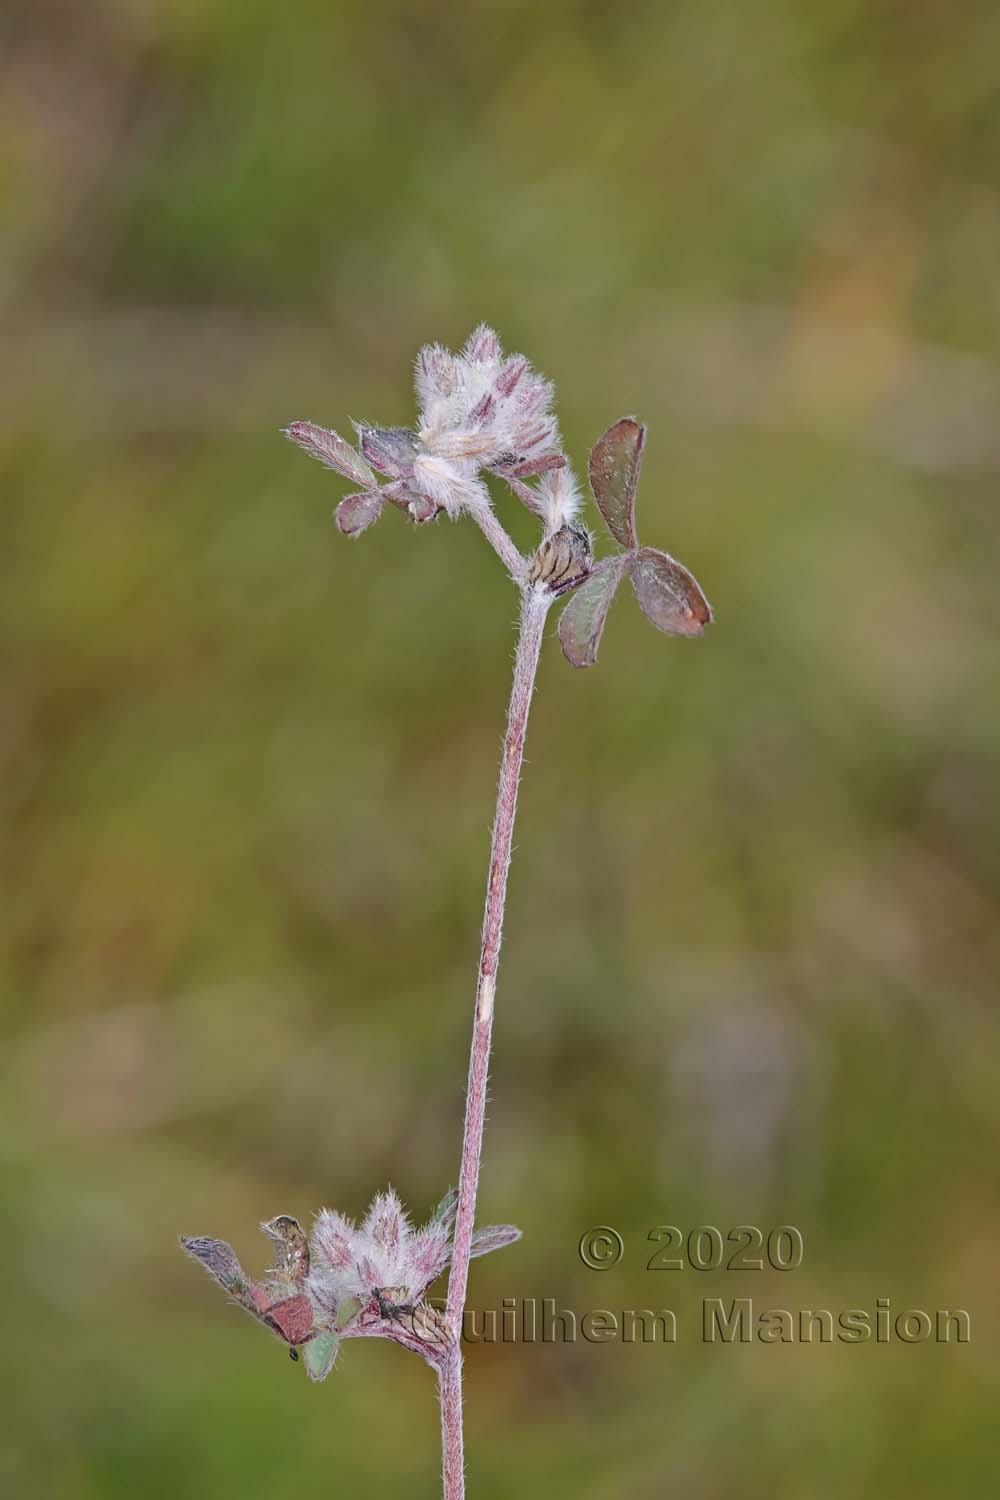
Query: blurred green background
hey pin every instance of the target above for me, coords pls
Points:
(248, 767)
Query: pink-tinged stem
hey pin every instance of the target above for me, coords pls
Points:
(534, 608)
(452, 1449)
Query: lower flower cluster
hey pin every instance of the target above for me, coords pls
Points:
(348, 1280)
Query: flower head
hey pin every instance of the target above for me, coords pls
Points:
(479, 410)
(385, 1252)
(482, 411)
(349, 1281)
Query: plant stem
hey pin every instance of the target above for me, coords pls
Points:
(535, 602)
(452, 1448)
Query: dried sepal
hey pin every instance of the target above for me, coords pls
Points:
(581, 623)
(390, 450)
(669, 596)
(615, 461)
(291, 1259)
(331, 449)
(494, 1237)
(356, 513)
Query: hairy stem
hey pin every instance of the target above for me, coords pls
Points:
(534, 608)
(452, 1446)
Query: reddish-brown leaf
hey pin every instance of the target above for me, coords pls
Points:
(615, 461)
(581, 623)
(669, 596)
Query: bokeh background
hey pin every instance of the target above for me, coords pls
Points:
(248, 767)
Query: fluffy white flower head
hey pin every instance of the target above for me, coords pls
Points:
(385, 1253)
(478, 410)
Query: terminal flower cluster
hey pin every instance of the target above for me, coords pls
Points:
(483, 412)
(480, 411)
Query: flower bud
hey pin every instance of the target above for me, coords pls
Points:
(563, 559)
